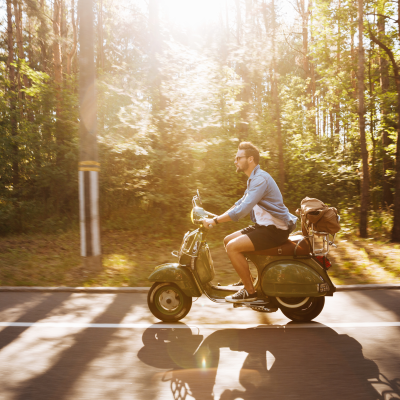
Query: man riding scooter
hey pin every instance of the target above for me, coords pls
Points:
(273, 222)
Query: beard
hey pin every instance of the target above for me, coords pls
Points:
(244, 168)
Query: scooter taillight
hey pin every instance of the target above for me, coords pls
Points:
(323, 261)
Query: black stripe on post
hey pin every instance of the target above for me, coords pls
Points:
(88, 224)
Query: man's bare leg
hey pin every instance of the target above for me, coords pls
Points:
(233, 235)
(235, 247)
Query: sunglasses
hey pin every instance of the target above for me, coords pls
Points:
(238, 158)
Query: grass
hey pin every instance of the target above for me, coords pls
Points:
(129, 258)
(365, 261)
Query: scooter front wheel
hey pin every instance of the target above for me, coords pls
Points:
(306, 311)
(167, 302)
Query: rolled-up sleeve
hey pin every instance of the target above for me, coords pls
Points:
(240, 200)
(254, 194)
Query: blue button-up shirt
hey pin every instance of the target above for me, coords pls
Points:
(263, 191)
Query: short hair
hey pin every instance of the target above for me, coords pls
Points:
(250, 150)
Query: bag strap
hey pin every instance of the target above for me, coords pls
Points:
(319, 216)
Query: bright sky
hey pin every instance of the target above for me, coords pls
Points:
(193, 13)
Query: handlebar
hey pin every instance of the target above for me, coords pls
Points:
(210, 226)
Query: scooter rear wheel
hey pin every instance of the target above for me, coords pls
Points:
(306, 312)
(167, 302)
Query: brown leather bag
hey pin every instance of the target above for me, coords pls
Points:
(323, 218)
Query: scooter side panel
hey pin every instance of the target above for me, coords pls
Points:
(181, 276)
(290, 278)
(204, 265)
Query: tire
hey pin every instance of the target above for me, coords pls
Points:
(306, 312)
(167, 302)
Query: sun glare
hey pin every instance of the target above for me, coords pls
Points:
(193, 13)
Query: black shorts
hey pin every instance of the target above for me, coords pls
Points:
(265, 237)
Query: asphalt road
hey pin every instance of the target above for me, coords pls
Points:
(108, 346)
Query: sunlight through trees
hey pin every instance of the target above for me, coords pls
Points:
(179, 84)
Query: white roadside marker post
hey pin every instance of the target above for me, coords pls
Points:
(89, 166)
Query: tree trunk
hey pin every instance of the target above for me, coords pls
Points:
(396, 202)
(361, 124)
(337, 105)
(43, 54)
(244, 96)
(20, 41)
(371, 85)
(71, 53)
(100, 33)
(13, 119)
(387, 195)
(20, 48)
(56, 43)
(277, 111)
(58, 77)
(304, 14)
(63, 33)
(30, 48)
(353, 61)
(311, 61)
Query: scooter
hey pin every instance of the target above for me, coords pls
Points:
(292, 277)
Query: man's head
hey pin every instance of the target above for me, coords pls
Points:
(247, 157)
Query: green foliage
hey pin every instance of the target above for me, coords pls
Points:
(170, 106)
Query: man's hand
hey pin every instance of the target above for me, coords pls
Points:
(207, 222)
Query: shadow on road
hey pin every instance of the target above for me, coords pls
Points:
(58, 381)
(308, 363)
(38, 312)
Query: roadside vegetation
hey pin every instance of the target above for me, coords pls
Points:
(130, 256)
(176, 94)
(177, 91)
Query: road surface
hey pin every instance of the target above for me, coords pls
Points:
(108, 346)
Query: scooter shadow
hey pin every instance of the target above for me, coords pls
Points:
(311, 362)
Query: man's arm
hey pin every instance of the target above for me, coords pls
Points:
(242, 207)
(225, 217)
(221, 218)
(254, 194)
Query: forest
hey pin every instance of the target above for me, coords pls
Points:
(315, 84)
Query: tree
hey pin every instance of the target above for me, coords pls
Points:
(361, 123)
(396, 202)
(12, 100)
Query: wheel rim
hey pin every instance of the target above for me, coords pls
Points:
(168, 300)
(291, 302)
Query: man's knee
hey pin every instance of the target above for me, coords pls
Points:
(239, 244)
(231, 247)
(226, 240)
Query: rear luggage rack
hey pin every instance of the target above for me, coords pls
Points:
(326, 243)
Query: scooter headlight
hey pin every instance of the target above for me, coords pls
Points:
(197, 215)
(191, 216)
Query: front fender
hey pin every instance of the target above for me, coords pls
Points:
(181, 276)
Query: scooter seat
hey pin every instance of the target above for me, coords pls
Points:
(287, 249)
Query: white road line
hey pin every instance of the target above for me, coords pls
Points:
(204, 326)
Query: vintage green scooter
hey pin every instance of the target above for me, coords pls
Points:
(292, 277)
